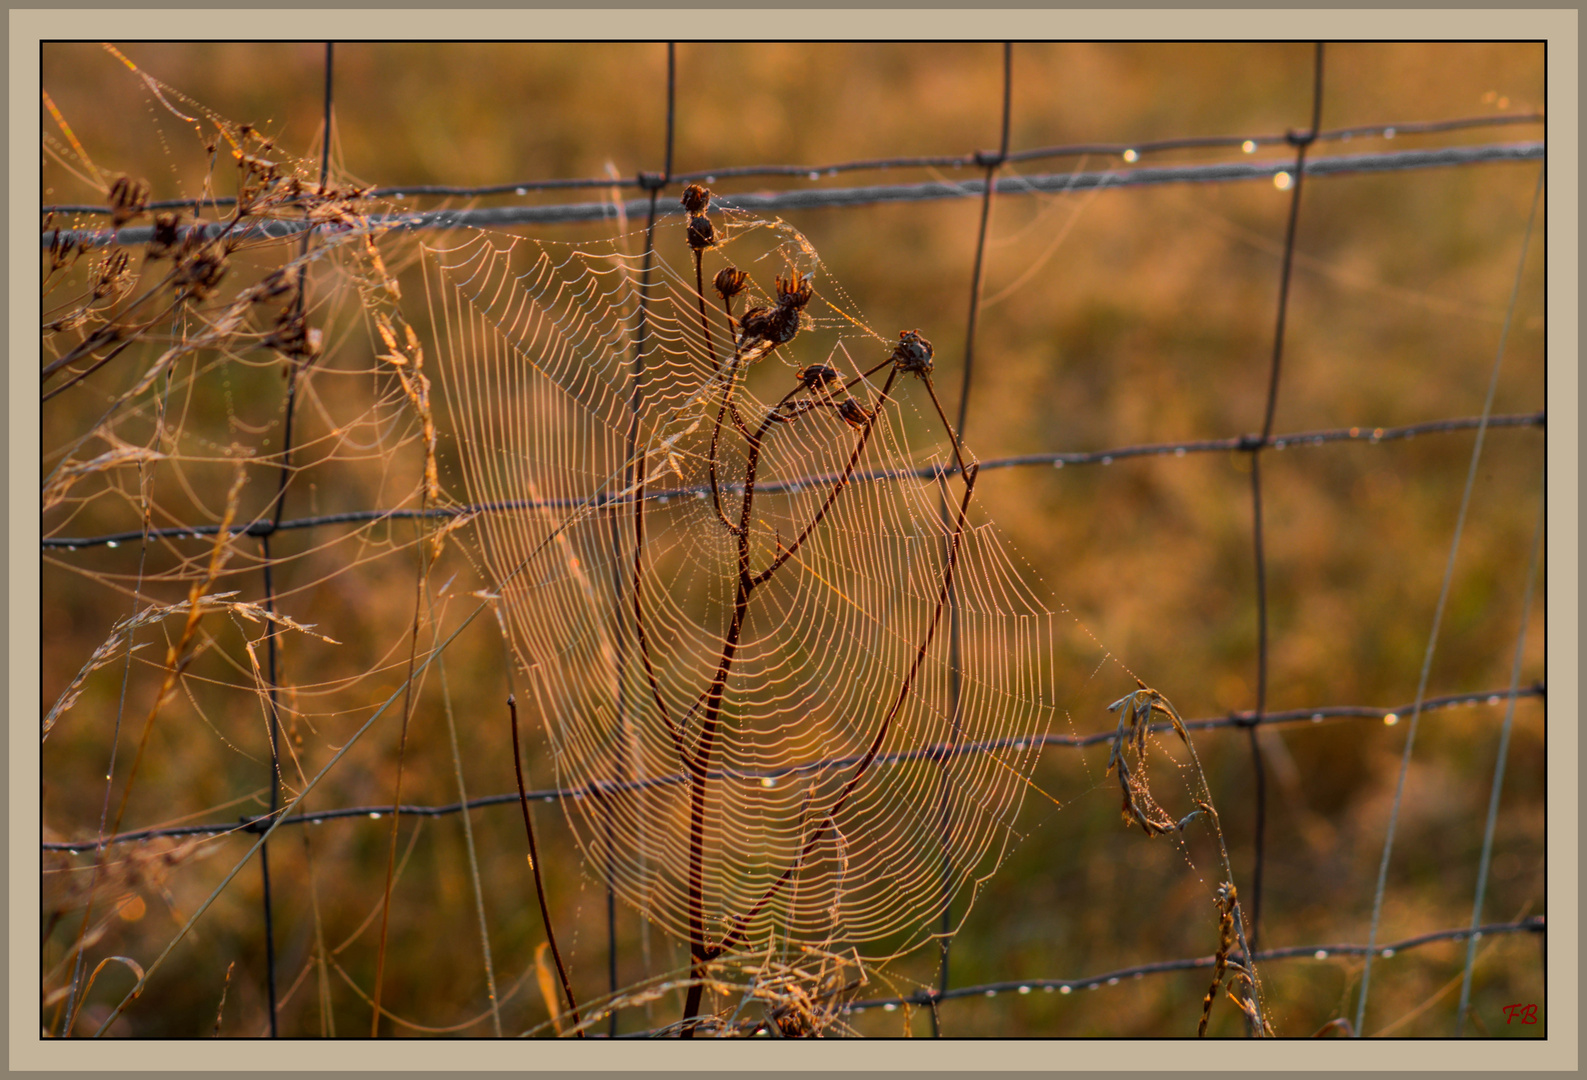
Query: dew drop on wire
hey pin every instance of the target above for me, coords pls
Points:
(813, 175)
(1494, 699)
(1107, 460)
(1390, 720)
(1024, 989)
(374, 815)
(1131, 155)
(1317, 718)
(1320, 954)
(1066, 989)
(1249, 146)
(520, 191)
(1283, 181)
(710, 179)
(1058, 464)
(1278, 444)
(1388, 133)
(889, 1007)
(1179, 451)
(768, 782)
(111, 544)
(991, 993)
(1387, 953)
(1113, 981)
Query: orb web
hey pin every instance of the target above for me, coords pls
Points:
(788, 765)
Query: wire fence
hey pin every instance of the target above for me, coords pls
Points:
(1299, 171)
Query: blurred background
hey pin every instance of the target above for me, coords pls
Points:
(1109, 318)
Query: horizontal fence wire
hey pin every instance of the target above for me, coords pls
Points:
(1048, 183)
(1358, 434)
(1537, 924)
(1314, 715)
(928, 997)
(937, 161)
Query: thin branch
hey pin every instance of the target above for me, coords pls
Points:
(534, 864)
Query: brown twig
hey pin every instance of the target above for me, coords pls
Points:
(534, 865)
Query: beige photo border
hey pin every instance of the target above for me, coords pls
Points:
(1558, 26)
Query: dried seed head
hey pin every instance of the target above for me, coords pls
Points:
(164, 240)
(818, 377)
(64, 250)
(779, 324)
(794, 292)
(696, 199)
(913, 354)
(730, 282)
(701, 235)
(198, 274)
(278, 283)
(128, 199)
(293, 336)
(112, 275)
(854, 414)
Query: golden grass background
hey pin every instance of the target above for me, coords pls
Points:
(1130, 316)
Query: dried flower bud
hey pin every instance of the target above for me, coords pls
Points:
(913, 354)
(854, 414)
(696, 199)
(795, 292)
(818, 377)
(701, 235)
(112, 275)
(165, 237)
(278, 283)
(198, 274)
(293, 336)
(779, 324)
(128, 199)
(730, 282)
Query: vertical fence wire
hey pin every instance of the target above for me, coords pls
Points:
(992, 162)
(277, 509)
(1443, 597)
(1301, 140)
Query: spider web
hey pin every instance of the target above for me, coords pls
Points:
(845, 799)
(582, 386)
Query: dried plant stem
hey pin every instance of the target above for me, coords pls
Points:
(534, 865)
(396, 800)
(176, 660)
